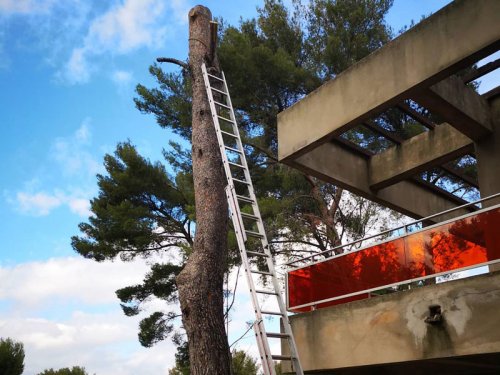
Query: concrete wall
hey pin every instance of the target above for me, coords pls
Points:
(391, 328)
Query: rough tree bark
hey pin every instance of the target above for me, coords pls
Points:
(200, 284)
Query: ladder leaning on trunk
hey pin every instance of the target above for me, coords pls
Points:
(248, 225)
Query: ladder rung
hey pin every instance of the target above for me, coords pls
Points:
(236, 165)
(253, 234)
(282, 357)
(263, 291)
(244, 199)
(271, 313)
(225, 119)
(277, 335)
(222, 105)
(232, 149)
(261, 272)
(222, 92)
(241, 181)
(249, 216)
(256, 253)
(229, 134)
(211, 75)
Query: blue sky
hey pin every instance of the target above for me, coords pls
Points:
(68, 69)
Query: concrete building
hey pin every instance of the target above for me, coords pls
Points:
(420, 74)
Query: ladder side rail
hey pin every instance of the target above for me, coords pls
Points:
(248, 178)
(260, 333)
(259, 328)
(265, 243)
(267, 361)
(242, 248)
(220, 139)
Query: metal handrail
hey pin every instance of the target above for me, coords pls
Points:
(404, 226)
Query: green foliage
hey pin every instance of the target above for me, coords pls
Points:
(160, 282)
(342, 32)
(243, 364)
(170, 102)
(181, 360)
(155, 328)
(264, 59)
(139, 209)
(11, 357)
(75, 370)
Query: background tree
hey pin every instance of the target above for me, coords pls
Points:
(270, 64)
(75, 370)
(11, 357)
(242, 363)
(181, 360)
(141, 210)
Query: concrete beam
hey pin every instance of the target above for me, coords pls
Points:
(345, 168)
(417, 154)
(447, 41)
(459, 105)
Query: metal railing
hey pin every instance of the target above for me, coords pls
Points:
(388, 231)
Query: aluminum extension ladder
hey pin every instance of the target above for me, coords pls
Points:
(247, 222)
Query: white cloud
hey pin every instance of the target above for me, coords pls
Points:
(42, 203)
(79, 206)
(37, 204)
(180, 9)
(25, 6)
(83, 134)
(125, 27)
(121, 77)
(66, 313)
(77, 69)
(4, 59)
(71, 154)
(123, 81)
(73, 161)
(33, 284)
(52, 310)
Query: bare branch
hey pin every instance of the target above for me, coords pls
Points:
(234, 294)
(171, 60)
(261, 149)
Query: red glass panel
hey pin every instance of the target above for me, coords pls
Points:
(463, 243)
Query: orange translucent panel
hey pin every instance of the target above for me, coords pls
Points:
(463, 243)
(350, 273)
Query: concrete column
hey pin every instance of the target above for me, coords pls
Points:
(488, 156)
(488, 161)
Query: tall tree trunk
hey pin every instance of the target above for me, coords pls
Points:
(200, 283)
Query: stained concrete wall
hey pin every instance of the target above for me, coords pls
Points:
(391, 328)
